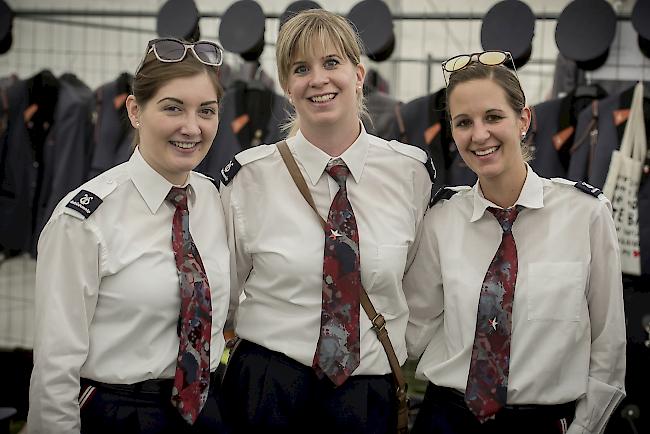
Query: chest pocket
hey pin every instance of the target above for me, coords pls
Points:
(555, 290)
(382, 270)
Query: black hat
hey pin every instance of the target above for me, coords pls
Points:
(374, 22)
(242, 29)
(295, 7)
(585, 30)
(6, 26)
(509, 26)
(641, 23)
(179, 19)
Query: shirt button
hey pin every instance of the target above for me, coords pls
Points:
(35, 164)
(109, 181)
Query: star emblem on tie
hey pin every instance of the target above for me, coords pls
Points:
(493, 323)
(335, 234)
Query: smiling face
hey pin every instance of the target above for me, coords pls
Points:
(323, 86)
(177, 125)
(487, 130)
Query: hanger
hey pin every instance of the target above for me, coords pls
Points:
(43, 94)
(589, 89)
(256, 83)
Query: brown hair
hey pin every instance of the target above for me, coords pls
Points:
(297, 37)
(154, 74)
(504, 78)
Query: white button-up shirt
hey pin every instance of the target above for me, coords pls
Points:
(278, 242)
(107, 289)
(568, 326)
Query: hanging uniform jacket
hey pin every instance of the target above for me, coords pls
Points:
(113, 134)
(591, 160)
(553, 133)
(250, 115)
(35, 176)
(425, 124)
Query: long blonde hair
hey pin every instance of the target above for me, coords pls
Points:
(298, 35)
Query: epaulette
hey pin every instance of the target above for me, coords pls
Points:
(87, 200)
(209, 178)
(582, 186)
(445, 193)
(408, 150)
(249, 155)
(431, 169)
(589, 189)
(417, 153)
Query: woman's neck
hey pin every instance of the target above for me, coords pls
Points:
(333, 140)
(504, 190)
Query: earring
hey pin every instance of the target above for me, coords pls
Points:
(290, 100)
(137, 124)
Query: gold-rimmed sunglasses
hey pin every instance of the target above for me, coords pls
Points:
(170, 50)
(488, 58)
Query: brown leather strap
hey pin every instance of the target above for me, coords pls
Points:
(377, 319)
(591, 130)
(294, 171)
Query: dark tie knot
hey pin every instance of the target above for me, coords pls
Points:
(337, 169)
(178, 197)
(505, 217)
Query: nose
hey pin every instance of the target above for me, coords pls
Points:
(480, 132)
(191, 126)
(319, 78)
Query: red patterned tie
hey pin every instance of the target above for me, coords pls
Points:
(487, 382)
(337, 351)
(192, 379)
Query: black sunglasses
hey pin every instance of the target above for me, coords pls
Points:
(170, 50)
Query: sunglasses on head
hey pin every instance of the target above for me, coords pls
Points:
(488, 58)
(170, 50)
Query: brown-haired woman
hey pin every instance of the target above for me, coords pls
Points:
(515, 293)
(309, 360)
(132, 274)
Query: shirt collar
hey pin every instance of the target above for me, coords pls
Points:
(531, 196)
(314, 160)
(151, 185)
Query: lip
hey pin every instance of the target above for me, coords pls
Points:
(310, 98)
(483, 157)
(184, 150)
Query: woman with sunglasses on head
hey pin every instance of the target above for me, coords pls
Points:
(515, 292)
(132, 274)
(309, 360)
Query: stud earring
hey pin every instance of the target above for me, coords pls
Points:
(137, 124)
(290, 100)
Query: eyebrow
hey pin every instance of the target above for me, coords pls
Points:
(327, 56)
(176, 100)
(486, 111)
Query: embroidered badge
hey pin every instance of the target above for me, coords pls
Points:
(229, 171)
(431, 169)
(589, 189)
(84, 203)
(443, 193)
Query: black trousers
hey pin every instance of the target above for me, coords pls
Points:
(444, 411)
(268, 392)
(144, 408)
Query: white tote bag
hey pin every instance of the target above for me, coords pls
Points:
(622, 185)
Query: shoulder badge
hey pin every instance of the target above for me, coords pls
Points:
(589, 189)
(85, 203)
(243, 158)
(445, 193)
(431, 169)
(229, 171)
